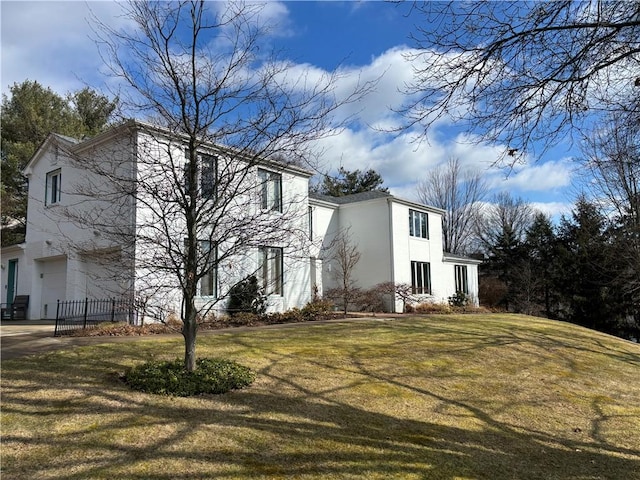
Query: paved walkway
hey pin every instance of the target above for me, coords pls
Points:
(20, 338)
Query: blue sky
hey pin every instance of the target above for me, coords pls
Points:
(50, 42)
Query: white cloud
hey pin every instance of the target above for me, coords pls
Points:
(553, 209)
(50, 42)
(538, 177)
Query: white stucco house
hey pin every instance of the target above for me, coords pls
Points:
(87, 238)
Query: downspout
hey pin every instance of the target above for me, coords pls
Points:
(391, 251)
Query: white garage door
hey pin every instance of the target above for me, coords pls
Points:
(54, 285)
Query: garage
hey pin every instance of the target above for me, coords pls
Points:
(54, 285)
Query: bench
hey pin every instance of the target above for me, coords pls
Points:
(16, 310)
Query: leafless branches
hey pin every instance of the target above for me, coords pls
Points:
(459, 194)
(524, 73)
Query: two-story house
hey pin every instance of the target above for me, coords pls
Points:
(103, 222)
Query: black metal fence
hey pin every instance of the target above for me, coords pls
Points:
(89, 313)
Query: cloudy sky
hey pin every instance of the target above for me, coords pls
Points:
(51, 42)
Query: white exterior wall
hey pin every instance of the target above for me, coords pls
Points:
(380, 229)
(408, 248)
(325, 228)
(472, 278)
(368, 226)
(297, 268)
(53, 266)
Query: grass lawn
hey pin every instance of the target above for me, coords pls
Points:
(443, 397)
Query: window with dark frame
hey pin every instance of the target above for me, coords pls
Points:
(270, 270)
(208, 285)
(461, 279)
(270, 190)
(53, 187)
(206, 176)
(208, 183)
(421, 278)
(418, 224)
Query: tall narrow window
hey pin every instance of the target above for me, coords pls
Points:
(270, 190)
(208, 282)
(208, 176)
(461, 278)
(421, 277)
(310, 222)
(270, 271)
(53, 187)
(418, 224)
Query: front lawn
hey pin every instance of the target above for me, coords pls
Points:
(443, 397)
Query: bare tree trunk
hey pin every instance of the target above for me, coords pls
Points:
(189, 332)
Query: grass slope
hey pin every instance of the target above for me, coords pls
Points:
(443, 397)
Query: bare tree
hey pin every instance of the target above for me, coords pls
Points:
(524, 73)
(344, 256)
(459, 194)
(501, 231)
(611, 155)
(396, 291)
(206, 186)
(612, 170)
(505, 219)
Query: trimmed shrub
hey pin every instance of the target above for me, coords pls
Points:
(247, 297)
(431, 308)
(213, 375)
(317, 309)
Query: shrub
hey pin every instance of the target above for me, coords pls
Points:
(316, 309)
(459, 300)
(247, 297)
(171, 378)
(431, 307)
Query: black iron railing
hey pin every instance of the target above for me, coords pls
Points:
(74, 315)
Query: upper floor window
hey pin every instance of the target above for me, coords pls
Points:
(270, 271)
(421, 277)
(270, 190)
(53, 187)
(310, 210)
(462, 284)
(205, 175)
(418, 224)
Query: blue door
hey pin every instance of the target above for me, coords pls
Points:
(12, 281)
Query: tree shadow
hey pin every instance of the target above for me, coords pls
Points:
(288, 426)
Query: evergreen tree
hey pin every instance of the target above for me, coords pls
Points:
(585, 272)
(28, 116)
(349, 182)
(541, 250)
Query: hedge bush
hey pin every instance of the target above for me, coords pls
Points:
(212, 375)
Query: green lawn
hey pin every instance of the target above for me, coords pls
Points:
(446, 397)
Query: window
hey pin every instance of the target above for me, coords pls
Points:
(418, 224)
(208, 282)
(207, 174)
(461, 279)
(270, 270)
(53, 187)
(271, 190)
(208, 181)
(420, 277)
(310, 222)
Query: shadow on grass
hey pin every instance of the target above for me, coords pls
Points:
(286, 426)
